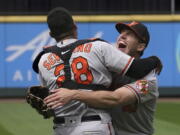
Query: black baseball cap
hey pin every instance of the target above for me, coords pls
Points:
(60, 22)
(138, 28)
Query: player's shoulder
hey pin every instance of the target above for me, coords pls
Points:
(152, 81)
(151, 75)
(41, 56)
(46, 50)
(101, 44)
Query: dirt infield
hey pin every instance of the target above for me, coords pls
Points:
(174, 99)
(12, 100)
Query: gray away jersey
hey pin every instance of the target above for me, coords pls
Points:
(137, 119)
(91, 63)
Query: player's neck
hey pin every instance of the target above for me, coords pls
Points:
(137, 56)
(69, 37)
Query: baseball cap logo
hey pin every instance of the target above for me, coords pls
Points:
(133, 23)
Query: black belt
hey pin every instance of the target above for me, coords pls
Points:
(61, 120)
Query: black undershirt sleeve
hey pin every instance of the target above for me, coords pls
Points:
(141, 67)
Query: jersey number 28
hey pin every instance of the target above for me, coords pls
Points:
(80, 69)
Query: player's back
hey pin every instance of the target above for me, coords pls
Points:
(90, 63)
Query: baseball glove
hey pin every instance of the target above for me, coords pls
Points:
(35, 96)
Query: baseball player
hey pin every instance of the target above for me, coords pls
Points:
(82, 64)
(134, 103)
(136, 116)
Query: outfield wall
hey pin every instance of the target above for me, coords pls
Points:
(21, 39)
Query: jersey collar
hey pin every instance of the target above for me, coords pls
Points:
(66, 42)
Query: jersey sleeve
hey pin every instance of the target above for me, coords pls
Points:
(115, 60)
(41, 79)
(42, 71)
(145, 89)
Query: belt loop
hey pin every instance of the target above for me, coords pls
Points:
(72, 121)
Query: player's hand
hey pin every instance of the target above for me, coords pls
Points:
(59, 97)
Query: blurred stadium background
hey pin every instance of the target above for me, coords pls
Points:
(23, 32)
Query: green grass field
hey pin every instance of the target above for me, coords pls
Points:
(167, 119)
(17, 118)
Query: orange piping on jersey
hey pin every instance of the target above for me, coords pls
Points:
(47, 46)
(83, 48)
(127, 65)
(51, 60)
(93, 39)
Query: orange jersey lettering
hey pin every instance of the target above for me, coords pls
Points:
(51, 60)
(83, 48)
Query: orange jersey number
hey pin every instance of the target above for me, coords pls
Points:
(81, 71)
(57, 72)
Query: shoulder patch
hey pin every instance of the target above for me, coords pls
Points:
(142, 86)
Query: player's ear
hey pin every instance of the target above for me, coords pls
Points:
(141, 47)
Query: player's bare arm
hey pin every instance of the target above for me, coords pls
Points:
(100, 99)
(60, 97)
(106, 99)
